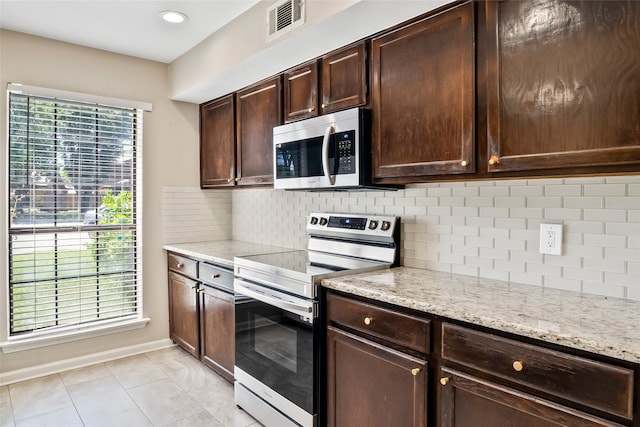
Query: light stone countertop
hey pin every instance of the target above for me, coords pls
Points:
(601, 325)
(221, 252)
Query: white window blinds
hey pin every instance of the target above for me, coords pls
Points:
(74, 193)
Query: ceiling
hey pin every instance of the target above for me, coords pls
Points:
(122, 26)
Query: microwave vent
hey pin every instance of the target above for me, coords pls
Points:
(284, 16)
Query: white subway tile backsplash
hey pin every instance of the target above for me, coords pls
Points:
(562, 283)
(605, 189)
(609, 215)
(583, 202)
(483, 228)
(563, 190)
(510, 202)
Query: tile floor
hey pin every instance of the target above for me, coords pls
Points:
(161, 388)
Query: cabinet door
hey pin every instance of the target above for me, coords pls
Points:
(372, 385)
(259, 109)
(301, 92)
(469, 401)
(217, 330)
(423, 98)
(344, 79)
(183, 312)
(563, 84)
(217, 143)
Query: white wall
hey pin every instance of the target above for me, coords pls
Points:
(486, 229)
(170, 159)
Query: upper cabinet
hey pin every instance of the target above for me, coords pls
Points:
(423, 98)
(217, 143)
(301, 92)
(344, 78)
(258, 110)
(563, 84)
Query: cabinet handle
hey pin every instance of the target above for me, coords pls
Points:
(230, 180)
(237, 179)
(415, 371)
(324, 106)
(517, 366)
(494, 160)
(179, 265)
(367, 320)
(193, 287)
(464, 163)
(444, 380)
(311, 109)
(215, 276)
(200, 290)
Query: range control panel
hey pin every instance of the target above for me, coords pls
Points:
(362, 226)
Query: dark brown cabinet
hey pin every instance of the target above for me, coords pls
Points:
(377, 373)
(217, 335)
(218, 143)
(259, 109)
(422, 98)
(301, 92)
(562, 85)
(183, 313)
(492, 380)
(344, 78)
(469, 401)
(201, 312)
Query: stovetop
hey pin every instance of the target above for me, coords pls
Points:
(338, 244)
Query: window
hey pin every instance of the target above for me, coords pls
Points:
(74, 201)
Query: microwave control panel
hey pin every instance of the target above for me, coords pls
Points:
(346, 151)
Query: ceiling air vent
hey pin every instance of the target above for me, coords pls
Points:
(283, 16)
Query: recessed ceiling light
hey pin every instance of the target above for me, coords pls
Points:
(173, 16)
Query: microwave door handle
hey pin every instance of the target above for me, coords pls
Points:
(325, 155)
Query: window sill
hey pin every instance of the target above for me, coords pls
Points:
(36, 340)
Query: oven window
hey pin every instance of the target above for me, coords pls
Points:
(276, 348)
(276, 342)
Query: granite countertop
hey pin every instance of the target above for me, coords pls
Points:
(602, 325)
(221, 252)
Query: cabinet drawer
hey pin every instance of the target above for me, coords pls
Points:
(217, 276)
(594, 384)
(402, 329)
(183, 265)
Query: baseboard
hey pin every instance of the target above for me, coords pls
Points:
(32, 372)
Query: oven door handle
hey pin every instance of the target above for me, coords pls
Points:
(303, 310)
(325, 156)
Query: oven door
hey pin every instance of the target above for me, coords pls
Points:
(277, 351)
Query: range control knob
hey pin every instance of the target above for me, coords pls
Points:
(314, 220)
(323, 221)
(373, 224)
(385, 225)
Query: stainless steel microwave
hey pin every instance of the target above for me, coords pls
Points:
(329, 152)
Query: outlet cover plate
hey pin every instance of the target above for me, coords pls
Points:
(551, 239)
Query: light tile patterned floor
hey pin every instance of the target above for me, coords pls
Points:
(161, 388)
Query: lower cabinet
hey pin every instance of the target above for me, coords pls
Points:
(373, 385)
(377, 373)
(469, 401)
(201, 312)
(217, 335)
(379, 359)
(183, 313)
(492, 380)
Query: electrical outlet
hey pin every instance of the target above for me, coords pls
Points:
(551, 239)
